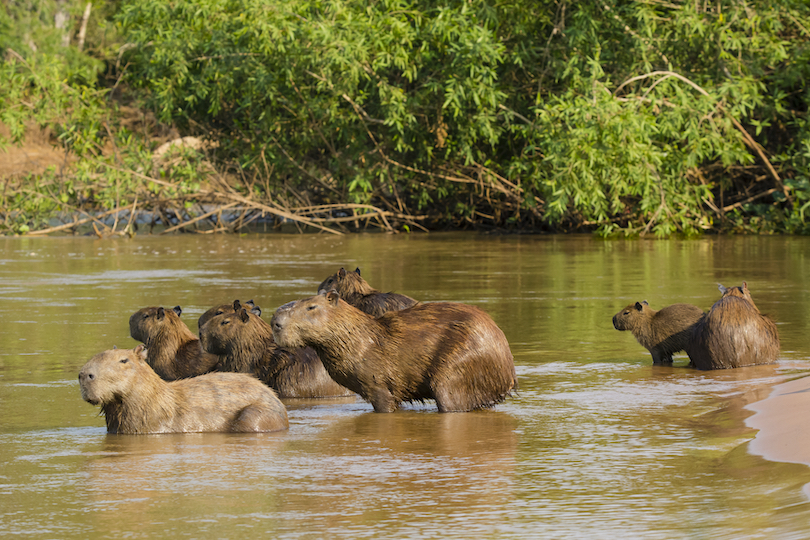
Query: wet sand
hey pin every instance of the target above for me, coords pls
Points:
(784, 430)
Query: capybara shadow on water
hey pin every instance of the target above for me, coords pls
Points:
(173, 351)
(663, 332)
(244, 344)
(734, 334)
(135, 400)
(356, 291)
(450, 352)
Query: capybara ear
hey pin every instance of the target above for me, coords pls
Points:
(140, 351)
(161, 313)
(745, 285)
(639, 307)
(243, 314)
(332, 297)
(645, 302)
(721, 288)
(250, 303)
(237, 306)
(342, 273)
(256, 310)
(178, 310)
(357, 270)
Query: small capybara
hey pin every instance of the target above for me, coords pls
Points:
(227, 308)
(135, 400)
(173, 351)
(356, 291)
(734, 334)
(453, 353)
(661, 332)
(244, 344)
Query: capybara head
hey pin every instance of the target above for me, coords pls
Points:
(146, 322)
(630, 317)
(294, 321)
(737, 292)
(345, 282)
(110, 375)
(227, 308)
(231, 328)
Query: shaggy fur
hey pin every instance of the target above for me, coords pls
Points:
(734, 334)
(244, 344)
(227, 308)
(356, 291)
(661, 332)
(450, 352)
(135, 400)
(172, 350)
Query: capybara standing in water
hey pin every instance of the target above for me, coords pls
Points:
(734, 334)
(356, 291)
(135, 400)
(172, 350)
(450, 352)
(661, 332)
(244, 344)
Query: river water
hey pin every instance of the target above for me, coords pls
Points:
(597, 443)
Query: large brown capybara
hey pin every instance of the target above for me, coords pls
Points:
(450, 352)
(244, 344)
(734, 334)
(135, 400)
(356, 291)
(227, 308)
(173, 351)
(661, 332)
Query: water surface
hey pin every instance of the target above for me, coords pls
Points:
(597, 443)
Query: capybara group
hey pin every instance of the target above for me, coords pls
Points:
(450, 352)
(135, 400)
(173, 351)
(244, 344)
(661, 332)
(356, 291)
(734, 333)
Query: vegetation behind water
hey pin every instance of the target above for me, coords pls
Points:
(646, 117)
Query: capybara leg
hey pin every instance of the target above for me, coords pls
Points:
(448, 400)
(660, 357)
(383, 401)
(254, 418)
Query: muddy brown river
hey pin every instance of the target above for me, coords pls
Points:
(598, 443)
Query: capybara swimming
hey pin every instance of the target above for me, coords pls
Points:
(734, 334)
(227, 308)
(356, 291)
(244, 344)
(450, 352)
(135, 400)
(173, 351)
(661, 332)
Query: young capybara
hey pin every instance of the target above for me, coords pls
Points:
(661, 332)
(173, 351)
(356, 291)
(227, 308)
(734, 334)
(450, 352)
(135, 400)
(244, 344)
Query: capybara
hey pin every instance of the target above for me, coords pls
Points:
(227, 308)
(450, 352)
(173, 351)
(734, 334)
(356, 291)
(244, 344)
(135, 400)
(661, 332)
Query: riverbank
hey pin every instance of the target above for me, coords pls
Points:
(784, 432)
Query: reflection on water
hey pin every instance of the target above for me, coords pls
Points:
(597, 442)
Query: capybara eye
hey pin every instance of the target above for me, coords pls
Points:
(626, 312)
(310, 308)
(124, 360)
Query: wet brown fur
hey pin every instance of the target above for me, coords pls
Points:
(174, 352)
(663, 332)
(233, 307)
(734, 334)
(453, 353)
(356, 291)
(135, 400)
(244, 344)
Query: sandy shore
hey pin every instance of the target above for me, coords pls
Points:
(782, 421)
